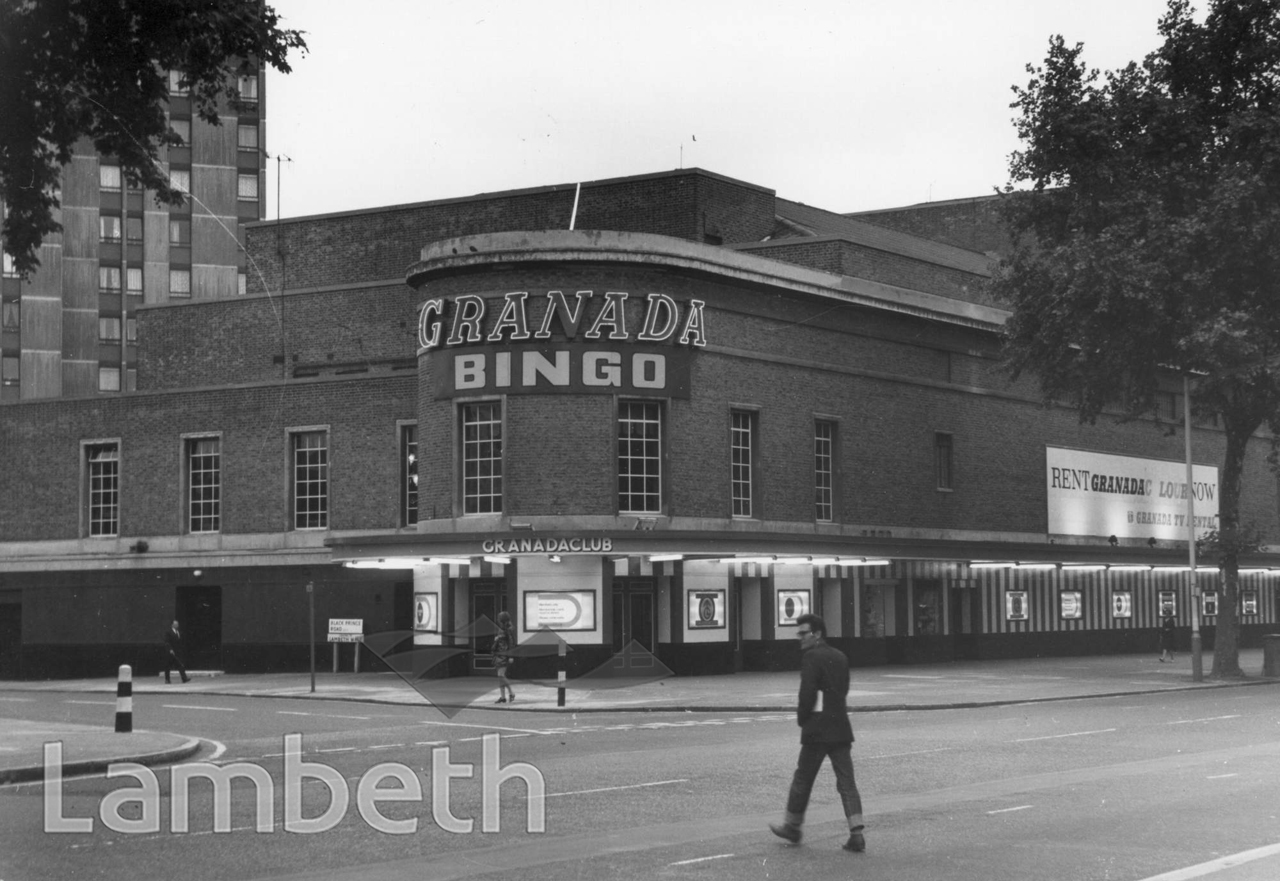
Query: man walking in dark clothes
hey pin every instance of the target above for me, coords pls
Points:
(173, 653)
(825, 732)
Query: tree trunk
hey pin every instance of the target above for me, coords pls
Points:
(1226, 645)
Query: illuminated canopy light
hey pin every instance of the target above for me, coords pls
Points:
(1083, 567)
(448, 561)
(1037, 566)
(504, 561)
(385, 563)
(1126, 568)
(864, 562)
(665, 558)
(990, 564)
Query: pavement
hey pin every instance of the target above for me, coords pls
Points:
(957, 684)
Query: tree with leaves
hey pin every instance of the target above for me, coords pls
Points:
(1144, 208)
(99, 69)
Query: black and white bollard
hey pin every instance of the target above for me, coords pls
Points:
(124, 700)
(560, 675)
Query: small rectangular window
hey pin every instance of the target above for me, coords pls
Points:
(131, 330)
(109, 177)
(12, 315)
(179, 282)
(181, 128)
(133, 281)
(109, 329)
(639, 457)
(10, 370)
(108, 228)
(742, 461)
(408, 475)
(311, 480)
(179, 232)
(178, 83)
(247, 187)
(247, 137)
(482, 458)
(102, 475)
(248, 87)
(108, 379)
(942, 459)
(180, 179)
(242, 284)
(133, 229)
(109, 279)
(10, 271)
(824, 443)
(204, 484)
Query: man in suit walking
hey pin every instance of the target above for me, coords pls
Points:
(173, 653)
(825, 732)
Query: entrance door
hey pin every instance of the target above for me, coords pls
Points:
(488, 598)
(199, 614)
(965, 622)
(10, 640)
(633, 616)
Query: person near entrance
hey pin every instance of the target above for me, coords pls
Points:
(502, 645)
(825, 732)
(173, 653)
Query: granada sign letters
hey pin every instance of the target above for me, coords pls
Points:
(578, 343)
(1099, 494)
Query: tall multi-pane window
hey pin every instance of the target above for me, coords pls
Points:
(180, 179)
(109, 328)
(247, 137)
(177, 83)
(942, 459)
(248, 87)
(824, 458)
(179, 282)
(181, 128)
(109, 278)
(482, 458)
(742, 461)
(204, 484)
(311, 480)
(11, 315)
(133, 230)
(408, 475)
(133, 281)
(639, 457)
(247, 186)
(109, 177)
(108, 379)
(102, 475)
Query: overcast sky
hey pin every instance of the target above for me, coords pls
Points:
(847, 105)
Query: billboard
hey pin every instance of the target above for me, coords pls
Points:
(1100, 494)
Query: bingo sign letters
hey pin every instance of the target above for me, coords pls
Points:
(791, 605)
(426, 615)
(706, 609)
(560, 610)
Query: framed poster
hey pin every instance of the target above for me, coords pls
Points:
(1249, 602)
(706, 609)
(1071, 604)
(1208, 605)
(1015, 605)
(791, 605)
(560, 610)
(1168, 604)
(426, 612)
(1122, 604)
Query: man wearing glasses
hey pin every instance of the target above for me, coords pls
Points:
(825, 732)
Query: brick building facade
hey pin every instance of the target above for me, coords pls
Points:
(667, 431)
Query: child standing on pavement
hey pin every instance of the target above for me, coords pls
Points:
(502, 645)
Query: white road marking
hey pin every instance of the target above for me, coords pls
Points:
(194, 707)
(486, 727)
(431, 743)
(909, 676)
(22, 699)
(338, 749)
(218, 749)
(1218, 865)
(386, 746)
(616, 788)
(1009, 810)
(719, 856)
(917, 752)
(93, 703)
(1206, 719)
(1221, 776)
(1072, 734)
(320, 715)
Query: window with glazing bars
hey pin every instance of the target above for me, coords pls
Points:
(102, 469)
(942, 459)
(742, 458)
(204, 484)
(408, 475)
(310, 480)
(639, 457)
(482, 458)
(824, 442)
